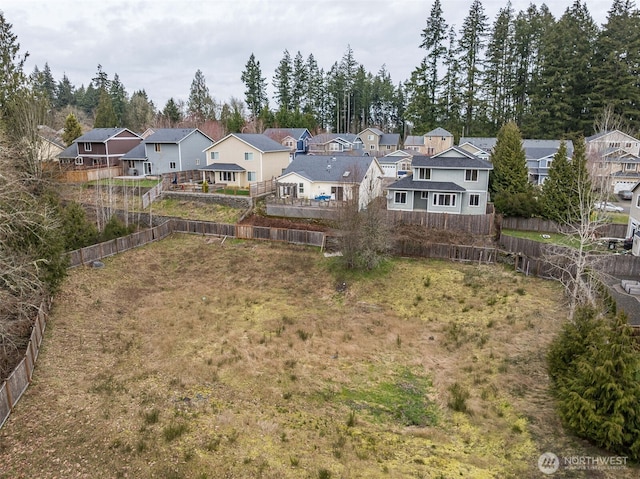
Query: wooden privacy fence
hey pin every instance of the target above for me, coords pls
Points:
(150, 196)
(12, 389)
(109, 248)
(445, 251)
(608, 230)
(262, 188)
(473, 224)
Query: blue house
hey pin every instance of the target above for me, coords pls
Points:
(168, 150)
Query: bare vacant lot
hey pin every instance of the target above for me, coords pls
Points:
(193, 358)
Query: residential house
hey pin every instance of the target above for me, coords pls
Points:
(240, 159)
(296, 139)
(397, 164)
(50, 144)
(337, 178)
(99, 148)
(633, 226)
(538, 153)
(377, 143)
(614, 160)
(453, 181)
(430, 143)
(334, 144)
(168, 150)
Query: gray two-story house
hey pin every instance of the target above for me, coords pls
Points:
(454, 181)
(168, 150)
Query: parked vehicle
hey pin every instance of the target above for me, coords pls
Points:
(625, 195)
(606, 206)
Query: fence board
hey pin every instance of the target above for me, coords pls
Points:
(5, 406)
(474, 224)
(608, 230)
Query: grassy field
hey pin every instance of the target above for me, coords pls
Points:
(197, 358)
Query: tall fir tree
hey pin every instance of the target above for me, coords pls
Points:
(282, 82)
(200, 105)
(171, 113)
(119, 99)
(140, 111)
(471, 44)
(65, 93)
(105, 114)
(72, 129)
(299, 81)
(509, 185)
(557, 189)
(616, 67)
(12, 75)
(255, 94)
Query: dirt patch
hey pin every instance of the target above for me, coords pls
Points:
(273, 222)
(423, 235)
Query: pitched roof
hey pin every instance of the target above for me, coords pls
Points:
(533, 148)
(442, 160)
(222, 167)
(438, 132)
(257, 140)
(296, 133)
(408, 183)
(138, 152)
(101, 135)
(323, 138)
(169, 135)
(331, 169)
(413, 140)
(390, 139)
(70, 151)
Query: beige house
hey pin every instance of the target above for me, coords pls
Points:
(49, 145)
(377, 143)
(431, 143)
(240, 159)
(614, 160)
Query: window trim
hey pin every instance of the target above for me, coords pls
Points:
(475, 196)
(427, 173)
(400, 194)
(471, 175)
(87, 146)
(439, 199)
(157, 148)
(248, 156)
(172, 165)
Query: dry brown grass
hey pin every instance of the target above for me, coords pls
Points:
(190, 358)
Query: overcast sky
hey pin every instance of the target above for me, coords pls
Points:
(157, 45)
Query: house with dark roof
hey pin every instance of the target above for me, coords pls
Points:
(397, 164)
(453, 181)
(376, 143)
(338, 178)
(431, 143)
(296, 139)
(335, 144)
(240, 159)
(614, 160)
(99, 148)
(538, 153)
(167, 150)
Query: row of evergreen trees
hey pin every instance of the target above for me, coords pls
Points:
(550, 76)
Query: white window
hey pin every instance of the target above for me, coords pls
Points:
(474, 199)
(172, 165)
(424, 195)
(400, 197)
(388, 147)
(370, 137)
(470, 175)
(251, 175)
(300, 187)
(87, 147)
(424, 173)
(372, 147)
(334, 146)
(444, 199)
(157, 147)
(197, 161)
(228, 176)
(79, 161)
(215, 155)
(630, 166)
(288, 143)
(248, 156)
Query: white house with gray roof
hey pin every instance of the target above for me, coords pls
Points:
(332, 178)
(240, 159)
(454, 181)
(431, 143)
(167, 150)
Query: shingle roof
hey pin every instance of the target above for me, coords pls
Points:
(533, 148)
(69, 152)
(390, 139)
(296, 133)
(222, 167)
(327, 137)
(259, 141)
(408, 183)
(169, 135)
(438, 132)
(136, 153)
(99, 135)
(413, 140)
(448, 162)
(330, 168)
